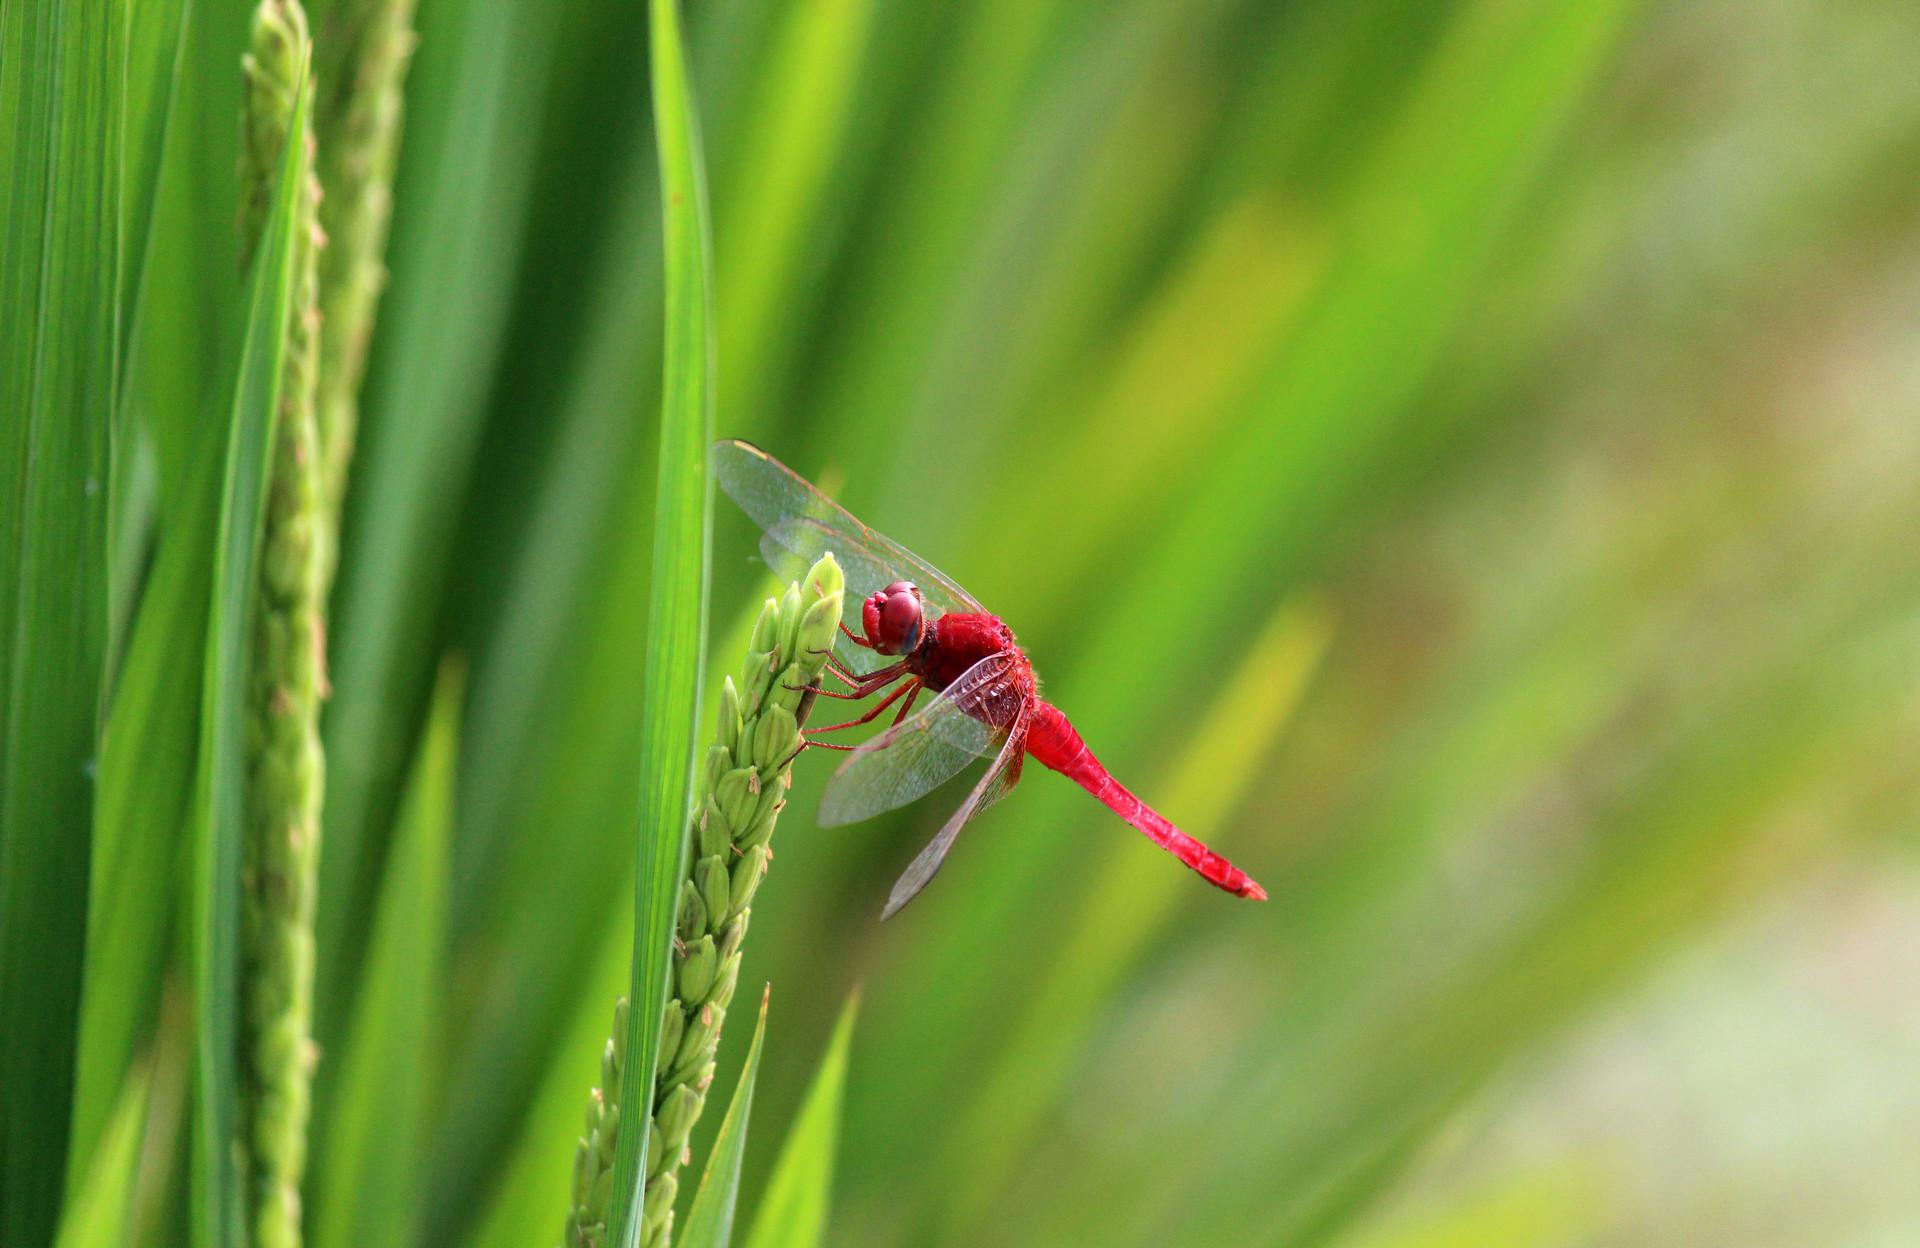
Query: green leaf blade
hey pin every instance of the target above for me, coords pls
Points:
(461, 197)
(368, 1182)
(147, 758)
(793, 1210)
(710, 1218)
(677, 600)
(100, 1205)
(62, 102)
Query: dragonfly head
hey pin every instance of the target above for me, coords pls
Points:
(893, 618)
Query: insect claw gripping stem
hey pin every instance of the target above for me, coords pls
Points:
(868, 685)
(807, 744)
(835, 666)
(834, 693)
(837, 669)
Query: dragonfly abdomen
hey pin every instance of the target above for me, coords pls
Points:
(1053, 742)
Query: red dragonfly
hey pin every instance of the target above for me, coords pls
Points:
(985, 705)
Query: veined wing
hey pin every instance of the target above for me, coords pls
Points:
(994, 785)
(924, 750)
(801, 524)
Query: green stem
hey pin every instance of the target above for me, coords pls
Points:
(285, 768)
(743, 789)
(363, 50)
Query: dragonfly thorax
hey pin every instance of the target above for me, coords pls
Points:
(953, 643)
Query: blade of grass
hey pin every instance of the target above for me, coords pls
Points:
(366, 1179)
(677, 601)
(710, 1217)
(147, 755)
(585, 545)
(804, 98)
(160, 1178)
(155, 54)
(517, 1206)
(193, 310)
(568, 449)
(134, 824)
(219, 804)
(793, 1209)
(182, 337)
(1037, 190)
(976, 97)
(100, 1207)
(460, 201)
(62, 97)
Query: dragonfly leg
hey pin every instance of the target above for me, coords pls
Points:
(872, 712)
(840, 671)
(835, 665)
(908, 704)
(851, 680)
(864, 686)
(807, 744)
(854, 696)
(911, 689)
(854, 637)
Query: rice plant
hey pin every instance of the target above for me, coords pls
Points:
(1458, 458)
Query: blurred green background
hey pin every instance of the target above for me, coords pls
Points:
(1459, 459)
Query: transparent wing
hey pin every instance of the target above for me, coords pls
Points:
(994, 785)
(801, 524)
(925, 750)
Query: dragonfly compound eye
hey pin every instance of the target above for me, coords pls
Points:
(893, 617)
